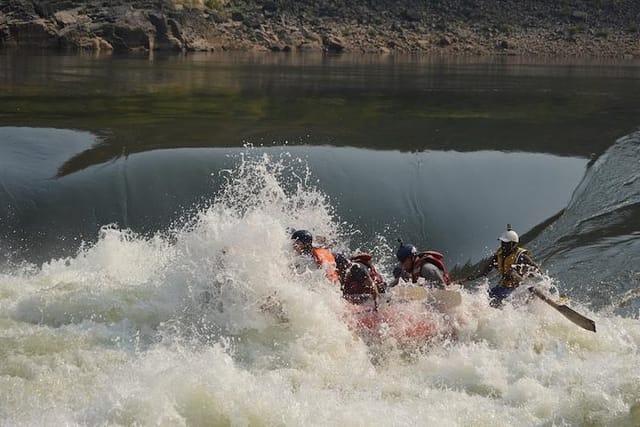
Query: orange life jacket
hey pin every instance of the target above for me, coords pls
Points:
(432, 257)
(324, 259)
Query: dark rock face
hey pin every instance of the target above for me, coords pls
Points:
(546, 27)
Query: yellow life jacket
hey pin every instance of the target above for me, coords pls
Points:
(505, 266)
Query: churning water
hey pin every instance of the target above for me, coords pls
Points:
(155, 286)
(170, 329)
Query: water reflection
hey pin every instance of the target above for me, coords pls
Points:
(381, 102)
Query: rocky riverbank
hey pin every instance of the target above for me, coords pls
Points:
(595, 28)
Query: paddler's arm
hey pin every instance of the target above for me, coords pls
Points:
(526, 259)
(493, 263)
(374, 291)
(398, 273)
(526, 266)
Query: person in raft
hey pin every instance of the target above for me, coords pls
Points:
(513, 264)
(414, 265)
(322, 257)
(359, 279)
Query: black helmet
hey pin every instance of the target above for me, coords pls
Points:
(358, 272)
(302, 236)
(405, 251)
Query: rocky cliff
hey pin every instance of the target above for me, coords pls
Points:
(609, 28)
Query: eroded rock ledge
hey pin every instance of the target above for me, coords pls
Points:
(603, 28)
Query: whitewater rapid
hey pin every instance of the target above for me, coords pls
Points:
(170, 329)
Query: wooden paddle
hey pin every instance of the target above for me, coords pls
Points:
(567, 312)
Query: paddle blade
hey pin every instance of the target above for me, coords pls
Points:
(409, 292)
(567, 312)
(577, 318)
(446, 298)
(443, 298)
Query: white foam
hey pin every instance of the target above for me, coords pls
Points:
(174, 330)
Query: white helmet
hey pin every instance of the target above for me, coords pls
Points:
(509, 235)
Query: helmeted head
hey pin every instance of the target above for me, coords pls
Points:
(358, 272)
(405, 252)
(302, 241)
(509, 239)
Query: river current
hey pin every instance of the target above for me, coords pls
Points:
(147, 204)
